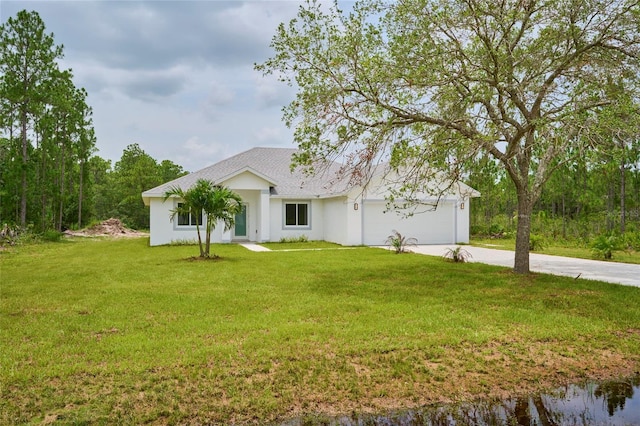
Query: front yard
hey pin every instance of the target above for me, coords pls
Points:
(112, 331)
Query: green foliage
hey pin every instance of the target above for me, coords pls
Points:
(496, 231)
(50, 127)
(400, 243)
(457, 255)
(48, 174)
(216, 203)
(183, 242)
(567, 248)
(537, 242)
(482, 88)
(118, 191)
(603, 246)
(52, 236)
(631, 240)
(15, 235)
(134, 173)
(300, 239)
(10, 235)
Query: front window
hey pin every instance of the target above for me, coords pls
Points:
(188, 219)
(296, 214)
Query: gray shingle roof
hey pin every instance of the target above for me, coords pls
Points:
(271, 164)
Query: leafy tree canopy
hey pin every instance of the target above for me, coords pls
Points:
(427, 85)
(48, 126)
(134, 173)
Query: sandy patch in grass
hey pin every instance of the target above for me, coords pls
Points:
(107, 228)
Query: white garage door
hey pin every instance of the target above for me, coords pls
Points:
(431, 227)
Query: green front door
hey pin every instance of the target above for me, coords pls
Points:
(240, 229)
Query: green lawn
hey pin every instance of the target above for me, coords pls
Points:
(112, 331)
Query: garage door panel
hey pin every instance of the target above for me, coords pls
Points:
(432, 227)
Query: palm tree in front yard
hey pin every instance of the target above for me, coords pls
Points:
(215, 203)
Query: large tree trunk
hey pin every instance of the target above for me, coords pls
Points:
(23, 189)
(611, 207)
(80, 194)
(61, 189)
(43, 198)
(623, 190)
(525, 206)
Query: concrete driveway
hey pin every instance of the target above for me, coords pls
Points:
(618, 273)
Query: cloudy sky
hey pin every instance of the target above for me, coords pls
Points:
(175, 77)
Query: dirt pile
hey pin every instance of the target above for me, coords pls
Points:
(108, 228)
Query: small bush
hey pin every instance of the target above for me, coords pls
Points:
(496, 231)
(537, 242)
(478, 230)
(604, 246)
(458, 255)
(11, 235)
(399, 242)
(52, 236)
(631, 240)
(185, 242)
(300, 239)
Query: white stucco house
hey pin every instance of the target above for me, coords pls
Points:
(280, 204)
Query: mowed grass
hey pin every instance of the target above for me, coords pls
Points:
(112, 331)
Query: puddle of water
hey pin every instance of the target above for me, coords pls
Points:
(615, 403)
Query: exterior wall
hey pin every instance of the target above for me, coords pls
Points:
(335, 227)
(264, 229)
(447, 224)
(462, 221)
(334, 219)
(246, 180)
(250, 188)
(313, 232)
(430, 227)
(354, 217)
(161, 228)
(164, 231)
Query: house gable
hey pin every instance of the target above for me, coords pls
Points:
(247, 179)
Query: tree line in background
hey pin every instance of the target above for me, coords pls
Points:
(47, 129)
(50, 178)
(597, 194)
(118, 189)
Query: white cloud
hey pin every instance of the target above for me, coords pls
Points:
(175, 77)
(218, 99)
(194, 148)
(268, 135)
(270, 92)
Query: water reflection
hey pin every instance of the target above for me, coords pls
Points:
(616, 394)
(608, 403)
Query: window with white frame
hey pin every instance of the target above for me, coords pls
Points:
(296, 214)
(188, 219)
